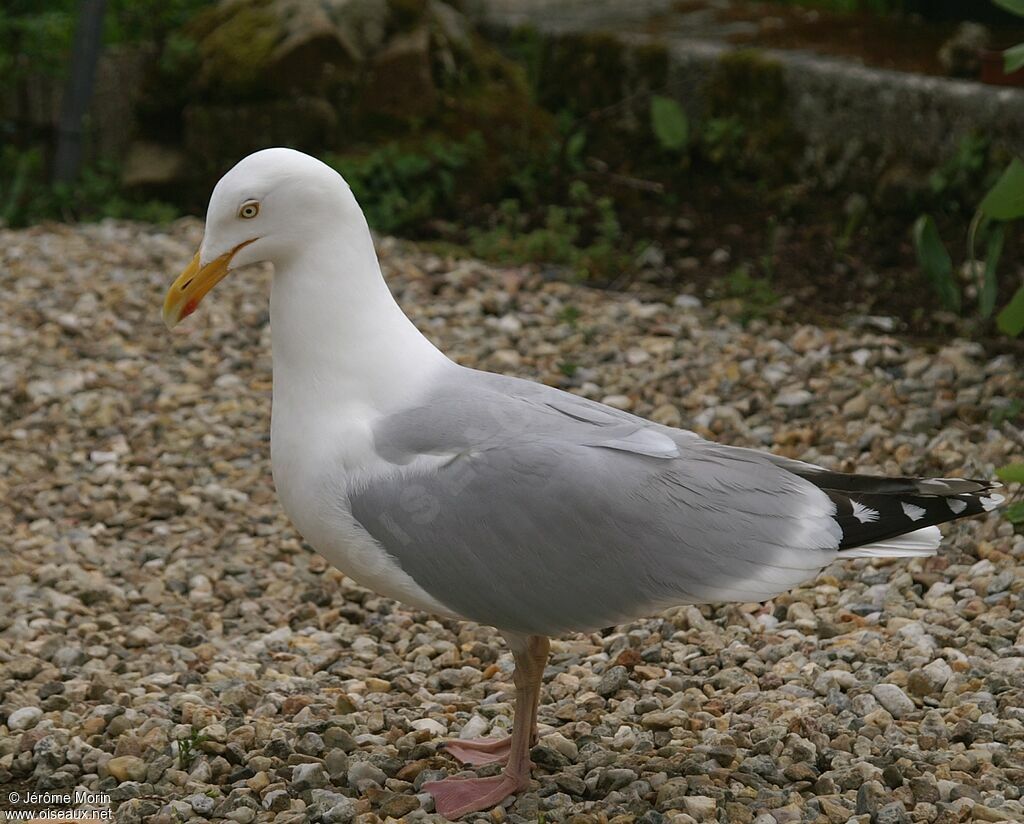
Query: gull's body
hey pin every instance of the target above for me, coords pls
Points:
(500, 500)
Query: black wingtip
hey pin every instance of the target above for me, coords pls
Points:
(869, 513)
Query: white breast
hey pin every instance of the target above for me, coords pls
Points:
(314, 462)
(344, 355)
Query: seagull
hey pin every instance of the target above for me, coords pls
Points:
(498, 500)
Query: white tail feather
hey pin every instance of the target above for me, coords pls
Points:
(917, 544)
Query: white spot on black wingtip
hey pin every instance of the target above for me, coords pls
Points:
(915, 513)
(864, 514)
(956, 505)
(990, 502)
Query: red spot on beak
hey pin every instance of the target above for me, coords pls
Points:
(189, 308)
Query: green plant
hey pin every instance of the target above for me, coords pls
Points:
(41, 33)
(755, 293)
(188, 748)
(669, 123)
(1003, 204)
(856, 210)
(28, 197)
(1013, 58)
(41, 36)
(935, 262)
(570, 315)
(748, 130)
(961, 171)
(1009, 411)
(1013, 473)
(400, 187)
(722, 139)
(584, 235)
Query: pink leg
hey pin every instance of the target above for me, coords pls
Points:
(455, 797)
(479, 751)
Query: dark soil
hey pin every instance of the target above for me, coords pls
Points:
(817, 275)
(900, 42)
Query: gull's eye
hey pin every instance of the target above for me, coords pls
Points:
(249, 209)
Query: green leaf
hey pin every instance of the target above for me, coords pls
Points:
(1013, 59)
(1011, 319)
(1015, 6)
(1005, 201)
(935, 262)
(669, 123)
(1015, 513)
(1011, 473)
(989, 282)
(574, 147)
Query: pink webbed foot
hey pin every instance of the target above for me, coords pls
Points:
(455, 797)
(479, 751)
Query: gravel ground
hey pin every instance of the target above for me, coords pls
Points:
(168, 639)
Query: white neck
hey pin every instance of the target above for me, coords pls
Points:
(341, 344)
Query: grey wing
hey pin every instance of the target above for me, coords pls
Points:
(534, 518)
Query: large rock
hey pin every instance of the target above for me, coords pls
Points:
(271, 46)
(339, 75)
(400, 83)
(388, 56)
(219, 133)
(152, 165)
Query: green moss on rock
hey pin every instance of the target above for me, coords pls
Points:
(748, 128)
(581, 73)
(236, 41)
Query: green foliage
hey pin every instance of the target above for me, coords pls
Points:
(756, 293)
(1011, 319)
(552, 216)
(960, 173)
(570, 315)
(935, 262)
(989, 282)
(33, 40)
(140, 21)
(188, 748)
(1008, 411)
(584, 235)
(27, 197)
(401, 187)
(1015, 513)
(669, 123)
(179, 56)
(747, 129)
(1011, 474)
(36, 37)
(1015, 6)
(722, 140)
(1005, 201)
(1013, 59)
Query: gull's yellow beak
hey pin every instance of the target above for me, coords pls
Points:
(191, 286)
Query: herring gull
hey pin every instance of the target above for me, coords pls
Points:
(499, 500)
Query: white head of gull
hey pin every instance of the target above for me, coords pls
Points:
(500, 500)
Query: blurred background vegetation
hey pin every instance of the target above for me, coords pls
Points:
(570, 152)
